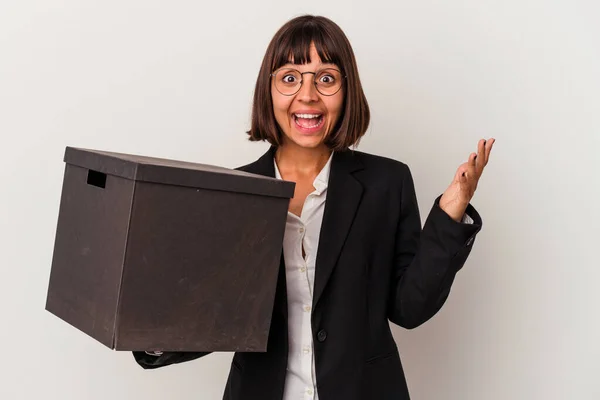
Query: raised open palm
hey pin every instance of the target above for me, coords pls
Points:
(457, 196)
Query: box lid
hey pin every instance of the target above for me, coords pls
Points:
(180, 173)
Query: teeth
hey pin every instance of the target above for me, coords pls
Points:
(307, 116)
(317, 123)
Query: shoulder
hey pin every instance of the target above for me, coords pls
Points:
(251, 166)
(376, 161)
(246, 168)
(385, 176)
(380, 168)
(262, 166)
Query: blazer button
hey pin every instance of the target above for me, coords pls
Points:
(322, 335)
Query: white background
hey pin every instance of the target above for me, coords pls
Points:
(175, 79)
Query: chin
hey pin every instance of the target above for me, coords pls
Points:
(307, 142)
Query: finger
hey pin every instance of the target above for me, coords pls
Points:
(472, 161)
(467, 176)
(462, 172)
(472, 172)
(472, 165)
(481, 155)
(488, 149)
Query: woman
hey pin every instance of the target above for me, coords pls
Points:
(354, 254)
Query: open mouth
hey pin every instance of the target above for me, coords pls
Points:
(308, 121)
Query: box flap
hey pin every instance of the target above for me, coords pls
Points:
(174, 172)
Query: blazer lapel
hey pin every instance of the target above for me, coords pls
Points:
(344, 193)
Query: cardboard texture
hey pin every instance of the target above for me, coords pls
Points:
(161, 254)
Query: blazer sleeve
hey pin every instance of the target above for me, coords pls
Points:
(426, 260)
(148, 361)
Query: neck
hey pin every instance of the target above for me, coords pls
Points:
(300, 160)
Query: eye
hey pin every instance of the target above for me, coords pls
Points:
(327, 79)
(289, 78)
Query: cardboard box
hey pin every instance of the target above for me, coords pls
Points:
(160, 254)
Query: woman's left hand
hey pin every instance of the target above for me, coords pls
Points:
(457, 196)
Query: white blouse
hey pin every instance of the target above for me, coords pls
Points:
(303, 231)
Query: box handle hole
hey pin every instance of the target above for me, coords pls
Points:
(96, 178)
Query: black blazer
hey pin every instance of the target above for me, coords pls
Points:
(374, 264)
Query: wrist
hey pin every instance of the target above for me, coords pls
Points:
(454, 209)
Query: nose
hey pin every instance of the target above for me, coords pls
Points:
(308, 91)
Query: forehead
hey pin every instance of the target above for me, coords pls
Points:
(298, 58)
(306, 47)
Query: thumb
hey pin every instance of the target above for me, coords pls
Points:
(461, 173)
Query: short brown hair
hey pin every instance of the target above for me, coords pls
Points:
(292, 42)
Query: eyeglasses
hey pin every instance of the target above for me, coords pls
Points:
(327, 81)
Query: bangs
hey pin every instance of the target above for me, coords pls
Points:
(294, 46)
